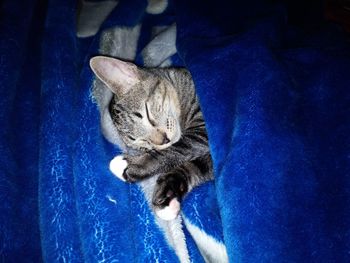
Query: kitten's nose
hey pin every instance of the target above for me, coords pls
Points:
(165, 139)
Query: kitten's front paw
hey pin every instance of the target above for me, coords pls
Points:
(118, 166)
(167, 196)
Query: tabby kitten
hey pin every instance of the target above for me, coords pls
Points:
(157, 115)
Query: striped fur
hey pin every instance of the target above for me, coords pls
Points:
(158, 117)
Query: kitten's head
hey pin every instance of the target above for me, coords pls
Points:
(146, 109)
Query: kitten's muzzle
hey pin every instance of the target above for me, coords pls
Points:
(161, 140)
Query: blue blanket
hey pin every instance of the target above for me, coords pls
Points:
(273, 84)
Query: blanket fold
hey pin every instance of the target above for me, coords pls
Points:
(279, 187)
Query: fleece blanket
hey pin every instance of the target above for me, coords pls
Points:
(273, 83)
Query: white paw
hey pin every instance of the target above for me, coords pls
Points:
(169, 212)
(118, 166)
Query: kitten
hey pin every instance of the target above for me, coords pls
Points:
(158, 118)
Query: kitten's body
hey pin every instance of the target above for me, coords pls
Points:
(157, 115)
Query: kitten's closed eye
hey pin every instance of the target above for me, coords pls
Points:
(131, 138)
(137, 114)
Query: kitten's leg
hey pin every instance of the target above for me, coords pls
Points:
(192, 145)
(133, 168)
(130, 168)
(189, 147)
(172, 187)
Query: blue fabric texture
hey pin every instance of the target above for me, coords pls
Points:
(273, 84)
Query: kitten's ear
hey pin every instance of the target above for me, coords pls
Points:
(118, 75)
